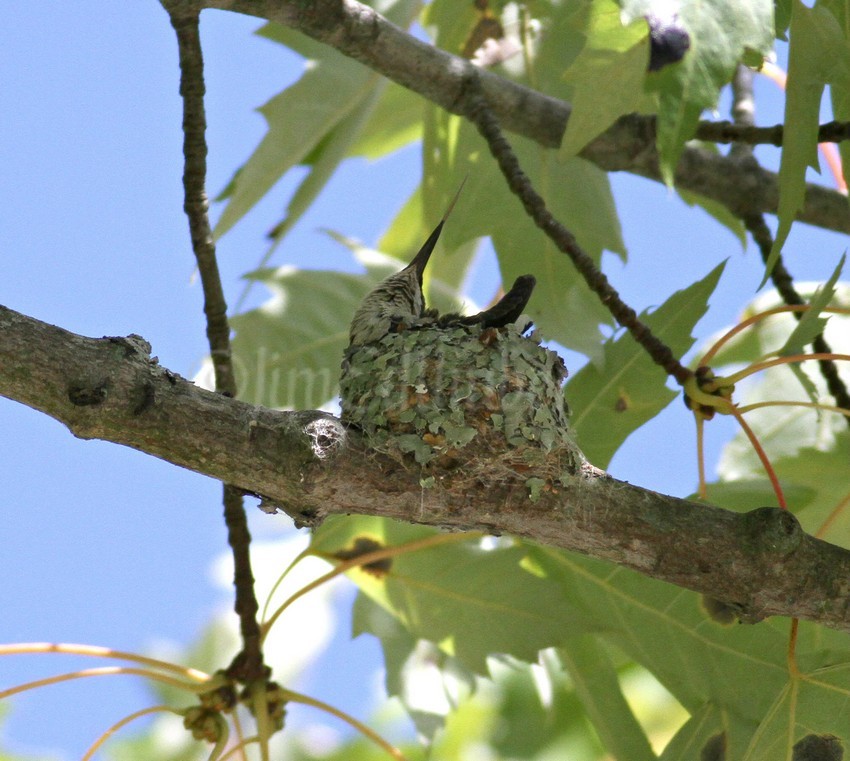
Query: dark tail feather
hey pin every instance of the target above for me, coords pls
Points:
(508, 308)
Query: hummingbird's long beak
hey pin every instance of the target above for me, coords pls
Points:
(420, 261)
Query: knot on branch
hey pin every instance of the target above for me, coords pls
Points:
(772, 530)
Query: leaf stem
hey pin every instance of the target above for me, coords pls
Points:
(297, 697)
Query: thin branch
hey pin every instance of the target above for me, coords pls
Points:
(730, 132)
(248, 666)
(361, 33)
(761, 563)
(479, 112)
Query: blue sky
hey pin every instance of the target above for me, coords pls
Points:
(104, 545)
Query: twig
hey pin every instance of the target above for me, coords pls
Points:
(730, 132)
(482, 116)
(248, 665)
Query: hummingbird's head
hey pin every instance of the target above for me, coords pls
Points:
(399, 298)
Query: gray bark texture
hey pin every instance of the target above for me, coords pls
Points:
(306, 463)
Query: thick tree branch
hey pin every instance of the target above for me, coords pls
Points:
(629, 145)
(109, 388)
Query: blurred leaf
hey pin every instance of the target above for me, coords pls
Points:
(721, 34)
(811, 324)
(748, 494)
(287, 352)
(740, 670)
(706, 727)
(334, 147)
(298, 119)
(818, 55)
(717, 211)
(598, 686)
(395, 121)
(446, 594)
(428, 682)
(607, 76)
(617, 395)
(449, 23)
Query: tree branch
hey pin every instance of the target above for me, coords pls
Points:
(750, 134)
(248, 666)
(760, 562)
(629, 145)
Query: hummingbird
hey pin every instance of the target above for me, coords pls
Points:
(397, 303)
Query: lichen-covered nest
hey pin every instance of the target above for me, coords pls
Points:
(444, 394)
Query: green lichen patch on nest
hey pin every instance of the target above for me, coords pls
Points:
(444, 395)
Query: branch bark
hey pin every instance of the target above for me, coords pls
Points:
(629, 145)
(761, 562)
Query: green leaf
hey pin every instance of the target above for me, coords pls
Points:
(617, 395)
(445, 593)
(287, 352)
(717, 210)
(818, 55)
(577, 193)
(811, 324)
(748, 494)
(607, 76)
(298, 119)
(596, 681)
(317, 120)
(330, 152)
(740, 671)
(418, 673)
(706, 729)
(722, 33)
(814, 702)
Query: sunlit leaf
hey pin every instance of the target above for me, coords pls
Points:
(740, 670)
(607, 76)
(446, 594)
(317, 120)
(721, 34)
(597, 684)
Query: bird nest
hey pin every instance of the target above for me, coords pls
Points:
(446, 395)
